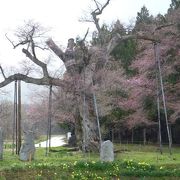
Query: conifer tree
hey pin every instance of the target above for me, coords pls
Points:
(175, 4)
(143, 16)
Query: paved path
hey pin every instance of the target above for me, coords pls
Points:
(55, 141)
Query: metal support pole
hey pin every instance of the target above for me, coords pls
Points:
(158, 103)
(159, 119)
(48, 141)
(84, 123)
(163, 96)
(47, 138)
(50, 115)
(19, 118)
(14, 118)
(97, 117)
(84, 144)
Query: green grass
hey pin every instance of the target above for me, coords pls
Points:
(148, 154)
(131, 162)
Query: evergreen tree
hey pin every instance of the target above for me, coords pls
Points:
(125, 52)
(143, 16)
(175, 4)
(160, 19)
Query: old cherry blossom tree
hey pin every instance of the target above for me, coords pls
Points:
(83, 63)
(80, 71)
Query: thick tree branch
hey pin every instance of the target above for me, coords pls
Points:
(163, 26)
(97, 12)
(51, 44)
(36, 61)
(96, 22)
(27, 79)
(85, 35)
(26, 37)
(118, 39)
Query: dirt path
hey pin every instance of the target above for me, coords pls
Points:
(56, 141)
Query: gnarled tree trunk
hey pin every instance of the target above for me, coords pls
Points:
(76, 59)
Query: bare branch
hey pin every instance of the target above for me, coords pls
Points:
(96, 13)
(97, 4)
(42, 48)
(32, 42)
(2, 71)
(99, 10)
(16, 45)
(85, 19)
(26, 36)
(36, 61)
(9, 40)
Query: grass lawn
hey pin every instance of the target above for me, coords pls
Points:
(131, 162)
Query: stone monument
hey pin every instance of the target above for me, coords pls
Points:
(27, 150)
(107, 151)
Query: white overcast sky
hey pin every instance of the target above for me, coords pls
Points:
(62, 17)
